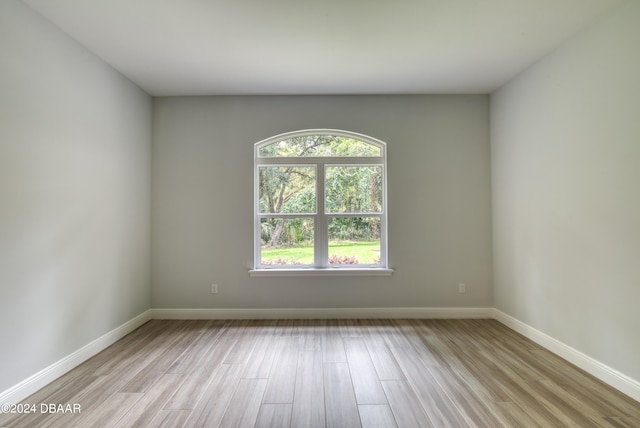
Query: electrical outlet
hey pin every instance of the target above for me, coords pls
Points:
(462, 288)
(214, 288)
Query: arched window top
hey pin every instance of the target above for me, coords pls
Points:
(320, 143)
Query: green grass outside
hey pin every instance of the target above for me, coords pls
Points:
(365, 252)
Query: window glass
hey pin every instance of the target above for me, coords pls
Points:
(286, 241)
(353, 189)
(320, 201)
(287, 189)
(319, 145)
(354, 240)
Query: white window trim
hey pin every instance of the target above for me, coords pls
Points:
(320, 217)
(314, 271)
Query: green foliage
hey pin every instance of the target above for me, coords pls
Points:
(354, 189)
(292, 190)
(354, 228)
(287, 189)
(319, 145)
(291, 232)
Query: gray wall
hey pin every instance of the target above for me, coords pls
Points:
(439, 200)
(566, 196)
(75, 141)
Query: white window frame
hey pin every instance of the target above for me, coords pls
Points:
(321, 265)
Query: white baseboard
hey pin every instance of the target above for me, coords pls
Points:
(614, 378)
(47, 375)
(323, 313)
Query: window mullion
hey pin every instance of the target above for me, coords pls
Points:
(321, 240)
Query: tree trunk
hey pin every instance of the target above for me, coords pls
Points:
(276, 236)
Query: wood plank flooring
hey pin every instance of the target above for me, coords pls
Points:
(328, 373)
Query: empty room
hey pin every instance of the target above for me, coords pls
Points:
(319, 213)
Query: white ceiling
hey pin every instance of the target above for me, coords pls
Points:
(207, 47)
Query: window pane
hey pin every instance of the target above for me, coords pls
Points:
(353, 189)
(286, 241)
(287, 189)
(319, 145)
(354, 240)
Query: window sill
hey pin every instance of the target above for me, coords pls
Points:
(321, 272)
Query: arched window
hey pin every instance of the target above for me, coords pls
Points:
(320, 202)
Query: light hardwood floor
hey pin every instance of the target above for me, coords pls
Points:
(329, 373)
